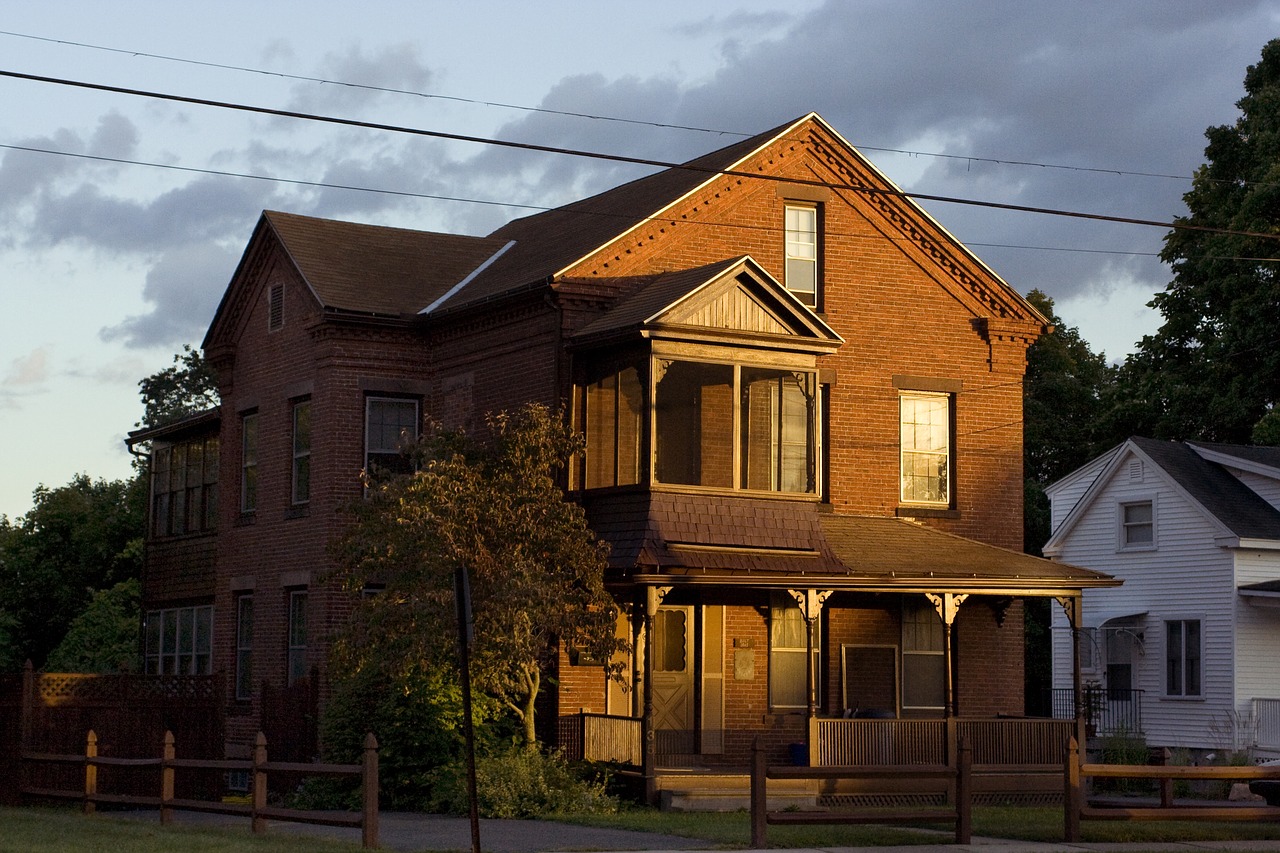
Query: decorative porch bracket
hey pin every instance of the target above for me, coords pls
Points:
(811, 602)
(947, 604)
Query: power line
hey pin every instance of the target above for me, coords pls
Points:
(969, 158)
(619, 158)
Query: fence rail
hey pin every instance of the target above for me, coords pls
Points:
(258, 767)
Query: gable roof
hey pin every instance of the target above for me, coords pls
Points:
(1225, 501)
(736, 295)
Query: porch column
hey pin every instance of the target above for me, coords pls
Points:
(1073, 607)
(948, 605)
(811, 602)
(653, 596)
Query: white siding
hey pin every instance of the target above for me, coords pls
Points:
(1268, 488)
(1257, 633)
(1066, 493)
(1185, 577)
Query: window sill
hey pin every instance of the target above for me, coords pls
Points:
(298, 511)
(909, 511)
(246, 518)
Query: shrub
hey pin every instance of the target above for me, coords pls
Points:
(520, 783)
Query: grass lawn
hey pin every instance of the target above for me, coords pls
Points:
(733, 829)
(62, 830)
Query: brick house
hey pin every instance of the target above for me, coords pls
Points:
(802, 400)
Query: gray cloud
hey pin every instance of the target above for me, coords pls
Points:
(396, 66)
(183, 287)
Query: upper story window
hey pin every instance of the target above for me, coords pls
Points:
(184, 487)
(735, 427)
(801, 228)
(249, 462)
(925, 426)
(1182, 656)
(1137, 525)
(612, 420)
(301, 479)
(391, 428)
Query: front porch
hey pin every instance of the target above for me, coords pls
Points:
(1014, 760)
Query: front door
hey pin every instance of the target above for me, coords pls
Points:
(672, 651)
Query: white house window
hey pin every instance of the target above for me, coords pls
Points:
(179, 641)
(391, 428)
(924, 665)
(925, 424)
(788, 647)
(1182, 657)
(1137, 525)
(302, 452)
(297, 652)
(801, 226)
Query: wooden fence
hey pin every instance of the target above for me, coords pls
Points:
(50, 712)
(1076, 808)
(166, 765)
(958, 776)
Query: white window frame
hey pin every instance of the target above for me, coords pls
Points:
(800, 249)
(908, 451)
(369, 402)
(295, 643)
(300, 441)
(244, 646)
(1182, 692)
(191, 651)
(1124, 526)
(249, 427)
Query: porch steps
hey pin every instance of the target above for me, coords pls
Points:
(722, 790)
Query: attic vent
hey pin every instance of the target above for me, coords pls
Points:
(1135, 470)
(275, 310)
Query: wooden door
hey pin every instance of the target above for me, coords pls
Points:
(673, 670)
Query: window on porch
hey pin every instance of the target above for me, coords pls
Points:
(923, 660)
(614, 408)
(788, 646)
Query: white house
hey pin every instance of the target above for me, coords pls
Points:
(1187, 651)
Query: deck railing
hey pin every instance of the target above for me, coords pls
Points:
(836, 742)
(1108, 711)
(1266, 719)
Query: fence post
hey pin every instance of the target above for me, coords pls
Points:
(259, 823)
(90, 772)
(1071, 795)
(759, 797)
(369, 779)
(964, 794)
(1166, 782)
(167, 755)
(25, 714)
(815, 743)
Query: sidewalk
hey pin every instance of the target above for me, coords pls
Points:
(412, 833)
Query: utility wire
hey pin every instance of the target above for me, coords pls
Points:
(619, 158)
(571, 114)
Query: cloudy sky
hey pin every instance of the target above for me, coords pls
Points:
(112, 259)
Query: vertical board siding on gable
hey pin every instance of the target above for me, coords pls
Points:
(1187, 577)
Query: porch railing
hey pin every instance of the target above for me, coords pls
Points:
(1266, 719)
(905, 742)
(1107, 711)
(601, 737)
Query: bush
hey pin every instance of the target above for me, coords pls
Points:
(417, 718)
(520, 783)
(1123, 747)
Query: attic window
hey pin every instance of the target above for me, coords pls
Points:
(275, 308)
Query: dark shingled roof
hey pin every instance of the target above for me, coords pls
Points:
(1233, 503)
(883, 547)
(548, 242)
(373, 269)
(1269, 456)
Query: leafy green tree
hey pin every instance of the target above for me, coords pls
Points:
(104, 637)
(494, 508)
(1064, 397)
(76, 539)
(188, 386)
(1212, 370)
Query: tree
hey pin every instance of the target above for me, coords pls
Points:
(104, 637)
(1063, 401)
(188, 386)
(492, 507)
(1212, 370)
(75, 540)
